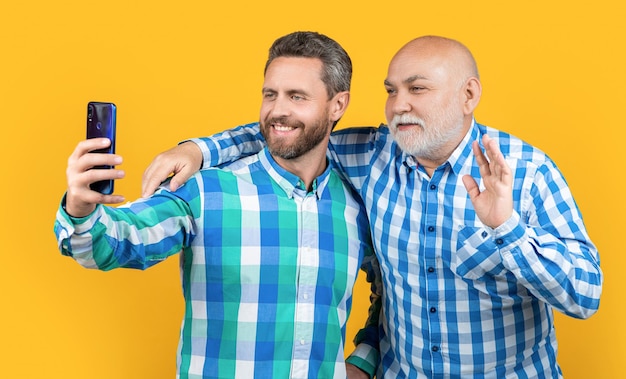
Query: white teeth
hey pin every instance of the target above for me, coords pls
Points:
(281, 128)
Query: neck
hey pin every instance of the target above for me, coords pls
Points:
(431, 163)
(428, 165)
(307, 167)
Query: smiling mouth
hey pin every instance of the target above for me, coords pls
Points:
(282, 128)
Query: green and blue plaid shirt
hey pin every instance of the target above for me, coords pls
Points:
(268, 268)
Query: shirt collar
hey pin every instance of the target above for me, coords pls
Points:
(291, 183)
(463, 152)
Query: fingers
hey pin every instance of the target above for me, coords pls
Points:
(493, 163)
(91, 144)
(79, 160)
(471, 186)
(80, 165)
(149, 180)
(497, 164)
(494, 204)
(182, 160)
(478, 153)
(158, 170)
(80, 172)
(183, 174)
(482, 161)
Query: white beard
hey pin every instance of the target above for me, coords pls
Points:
(428, 140)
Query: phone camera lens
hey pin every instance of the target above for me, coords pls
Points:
(98, 125)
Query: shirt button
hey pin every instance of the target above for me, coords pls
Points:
(433, 310)
(484, 234)
(305, 296)
(431, 269)
(302, 341)
(431, 228)
(432, 186)
(499, 241)
(435, 348)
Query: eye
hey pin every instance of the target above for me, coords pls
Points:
(297, 97)
(417, 89)
(269, 95)
(390, 91)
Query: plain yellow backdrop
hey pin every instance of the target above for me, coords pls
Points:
(552, 73)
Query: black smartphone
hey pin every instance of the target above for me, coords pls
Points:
(101, 120)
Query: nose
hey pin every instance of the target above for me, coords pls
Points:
(399, 103)
(280, 107)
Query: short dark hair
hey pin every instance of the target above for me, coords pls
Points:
(337, 66)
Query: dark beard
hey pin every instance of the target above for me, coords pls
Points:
(314, 134)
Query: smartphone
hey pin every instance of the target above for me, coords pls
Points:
(101, 120)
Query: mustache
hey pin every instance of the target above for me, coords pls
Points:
(405, 119)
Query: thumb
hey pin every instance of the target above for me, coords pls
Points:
(174, 184)
(471, 186)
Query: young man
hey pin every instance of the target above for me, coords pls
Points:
(271, 244)
(472, 271)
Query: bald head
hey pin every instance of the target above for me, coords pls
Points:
(447, 53)
(454, 55)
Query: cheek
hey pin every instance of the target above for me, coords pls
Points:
(263, 113)
(389, 110)
(310, 113)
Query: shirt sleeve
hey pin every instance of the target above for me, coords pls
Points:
(136, 235)
(544, 245)
(351, 149)
(366, 355)
(230, 145)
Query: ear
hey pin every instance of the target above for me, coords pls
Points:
(471, 95)
(338, 105)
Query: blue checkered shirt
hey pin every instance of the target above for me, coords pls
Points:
(461, 300)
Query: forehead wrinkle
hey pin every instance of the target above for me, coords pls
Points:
(296, 91)
(408, 80)
(413, 78)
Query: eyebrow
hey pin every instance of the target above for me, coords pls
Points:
(289, 92)
(408, 80)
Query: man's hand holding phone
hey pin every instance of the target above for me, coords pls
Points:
(80, 199)
(91, 167)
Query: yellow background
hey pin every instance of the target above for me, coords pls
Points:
(552, 72)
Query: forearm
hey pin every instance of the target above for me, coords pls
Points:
(555, 257)
(561, 271)
(366, 355)
(137, 235)
(366, 358)
(230, 145)
(352, 149)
